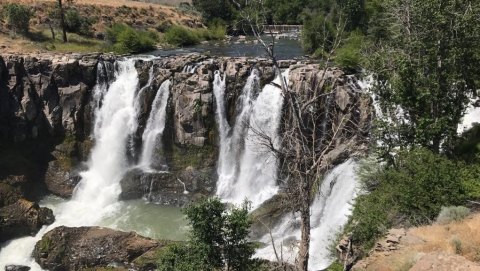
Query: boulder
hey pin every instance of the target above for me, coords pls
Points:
(65, 248)
(23, 218)
(167, 188)
(16, 268)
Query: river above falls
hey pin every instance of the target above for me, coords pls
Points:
(284, 49)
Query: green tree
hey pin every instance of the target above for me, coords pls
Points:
(216, 9)
(18, 16)
(425, 69)
(218, 239)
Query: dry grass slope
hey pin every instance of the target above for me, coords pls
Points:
(454, 246)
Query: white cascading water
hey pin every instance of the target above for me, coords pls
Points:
(96, 195)
(471, 117)
(329, 212)
(152, 136)
(248, 170)
(231, 144)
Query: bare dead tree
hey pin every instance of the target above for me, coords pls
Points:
(311, 127)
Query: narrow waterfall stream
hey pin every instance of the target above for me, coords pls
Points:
(247, 169)
(152, 136)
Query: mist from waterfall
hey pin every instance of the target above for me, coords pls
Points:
(247, 169)
(329, 212)
(152, 136)
(96, 196)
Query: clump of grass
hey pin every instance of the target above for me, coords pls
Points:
(184, 36)
(452, 214)
(457, 245)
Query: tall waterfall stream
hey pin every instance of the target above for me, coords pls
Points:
(246, 169)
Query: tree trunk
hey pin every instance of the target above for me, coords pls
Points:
(304, 250)
(52, 31)
(62, 20)
(303, 253)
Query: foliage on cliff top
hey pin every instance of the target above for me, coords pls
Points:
(126, 39)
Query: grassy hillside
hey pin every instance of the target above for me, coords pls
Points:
(101, 15)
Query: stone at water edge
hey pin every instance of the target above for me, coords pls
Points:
(65, 248)
(16, 268)
(23, 218)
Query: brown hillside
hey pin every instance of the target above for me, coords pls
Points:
(104, 13)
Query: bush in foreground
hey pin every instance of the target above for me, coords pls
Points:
(218, 239)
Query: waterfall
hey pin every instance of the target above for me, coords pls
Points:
(96, 195)
(231, 145)
(190, 68)
(247, 169)
(152, 136)
(329, 212)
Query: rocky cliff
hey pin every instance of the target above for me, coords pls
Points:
(46, 120)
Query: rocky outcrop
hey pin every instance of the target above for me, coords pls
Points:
(66, 248)
(23, 218)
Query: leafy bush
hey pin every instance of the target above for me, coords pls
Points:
(18, 16)
(163, 26)
(349, 55)
(216, 31)
(77, 24)
(218, 239)
(181, 36)
(126, 39)
(452, 213)
(211, 10)
(318, 33)
(470, 177)
(412, 191)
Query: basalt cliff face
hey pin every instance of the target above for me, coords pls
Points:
(47, 108)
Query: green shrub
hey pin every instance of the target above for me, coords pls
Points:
(77, 24)
(412, 191)
(18, 16)
(218, 239)
(452, 213)
(349, 56)
(126, 39)
(317, 34)
(180, 257)
(181, 36)
(470, 177)
(163, 26)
